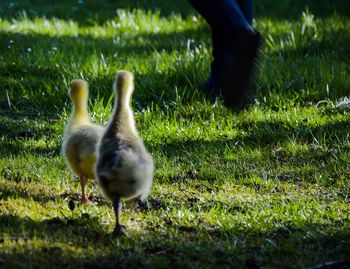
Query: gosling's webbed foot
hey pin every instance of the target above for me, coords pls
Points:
(120, 230)
(85, 200)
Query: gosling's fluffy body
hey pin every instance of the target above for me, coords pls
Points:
(81, 136)
(124, 168)
(79, 149)
(124, 171)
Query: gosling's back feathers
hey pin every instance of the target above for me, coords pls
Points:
(124, 167)
(80, 135)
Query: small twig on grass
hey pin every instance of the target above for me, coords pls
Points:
(332, 264)
(322, 102)
(8, 100)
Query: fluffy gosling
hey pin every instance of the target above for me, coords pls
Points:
(81, 136)
(124, 168)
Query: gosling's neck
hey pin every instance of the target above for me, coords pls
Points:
(123, 121)
(79, 114)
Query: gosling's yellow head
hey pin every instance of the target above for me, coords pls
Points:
(78, 90)
(124, 83)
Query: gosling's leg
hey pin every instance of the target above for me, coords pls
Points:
(83, 182)
(119, 228)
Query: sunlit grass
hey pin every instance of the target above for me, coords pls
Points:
(266, 187)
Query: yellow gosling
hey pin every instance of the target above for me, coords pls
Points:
(81, 136)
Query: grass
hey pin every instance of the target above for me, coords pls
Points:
(267, 187)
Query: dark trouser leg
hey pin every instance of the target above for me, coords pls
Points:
(224, 13)
(247, 9)
(235, 45)
(227, 18)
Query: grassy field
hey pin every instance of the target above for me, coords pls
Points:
(267, 187)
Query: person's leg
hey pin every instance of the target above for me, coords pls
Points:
(238, 14)
(240, 91)
(224, 17)
(247, 9)
(211, 12)
(235, 46)
(206, 9)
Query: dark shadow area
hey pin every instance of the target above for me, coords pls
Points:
(273, 249)
(304, 71)
(188, 247)
(121, 44)
(307, 47)
(16, 189)
(52, 228)
(15, 148)
(21, 131)
(292, 9)
(90, 12)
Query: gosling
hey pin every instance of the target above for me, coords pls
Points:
(80, 137)
(124, 168)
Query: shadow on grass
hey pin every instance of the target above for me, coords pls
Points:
(15, 148)
(84, 46)
(14, 186)
(81, 242)
(22, 131)
(292, 9)
(57, 229)
(90, 12)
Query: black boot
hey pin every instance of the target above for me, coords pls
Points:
(235, 49)
(239, 91)
(212, 88)
(232, 72)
